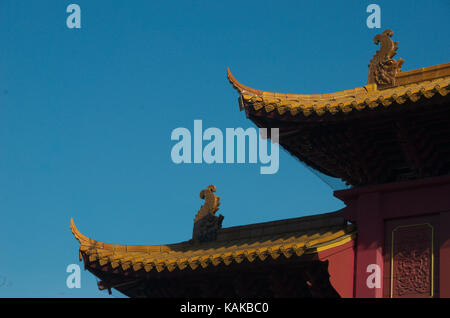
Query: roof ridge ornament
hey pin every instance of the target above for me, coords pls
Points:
(383, 68)
(206, 223)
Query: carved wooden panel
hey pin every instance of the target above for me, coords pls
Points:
(412, 263)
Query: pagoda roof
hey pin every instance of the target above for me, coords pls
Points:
(395, 128)
(414, 85)
(269, 240)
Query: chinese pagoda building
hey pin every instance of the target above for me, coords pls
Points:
(388, 140)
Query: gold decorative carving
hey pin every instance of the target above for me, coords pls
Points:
(206, 223)
(383, 68)
(211, 204)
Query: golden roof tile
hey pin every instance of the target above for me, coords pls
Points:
(261, 241)
(412, 86)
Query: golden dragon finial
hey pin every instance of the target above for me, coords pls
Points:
(383, 68)
(206, 223)
(211, 204)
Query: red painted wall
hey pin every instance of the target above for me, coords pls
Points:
(340, 267)
(444, 257)
(372, 207)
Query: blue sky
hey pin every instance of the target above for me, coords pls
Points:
(86, 115)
